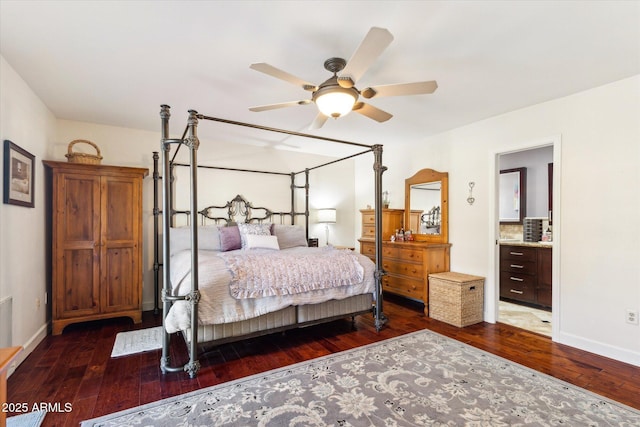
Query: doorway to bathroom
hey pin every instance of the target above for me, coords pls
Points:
(526, 290)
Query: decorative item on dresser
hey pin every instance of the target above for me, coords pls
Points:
(95, 230)
(407, 264)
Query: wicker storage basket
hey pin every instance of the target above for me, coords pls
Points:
(456, 298)
(89, 159)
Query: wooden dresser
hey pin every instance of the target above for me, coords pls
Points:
(96, 242)
(407, 264)
(392, 220)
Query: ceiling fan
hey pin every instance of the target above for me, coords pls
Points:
(338, 95)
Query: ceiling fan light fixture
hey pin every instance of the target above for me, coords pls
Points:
(335, 101)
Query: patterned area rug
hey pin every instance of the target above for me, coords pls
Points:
(419, 379)
(30, 419)
(131, 342)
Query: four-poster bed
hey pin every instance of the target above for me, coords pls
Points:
(217, 271)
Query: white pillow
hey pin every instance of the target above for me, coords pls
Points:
(258, 241)
(247, 229)
(208, 239)
(290, 236)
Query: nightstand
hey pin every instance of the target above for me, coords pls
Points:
(351, 248)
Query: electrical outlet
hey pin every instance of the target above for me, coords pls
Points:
(37, 302)
(632, 316)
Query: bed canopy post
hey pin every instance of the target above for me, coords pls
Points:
(156, 234)
(193, 297)
(293, 198)
(306, 202)
(380, 318)
(192, 143)
(165, 359)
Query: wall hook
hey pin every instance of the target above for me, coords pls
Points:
(471, 199)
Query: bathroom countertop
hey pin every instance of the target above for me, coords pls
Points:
(522, 243)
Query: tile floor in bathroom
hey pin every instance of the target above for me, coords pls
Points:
(525, 317)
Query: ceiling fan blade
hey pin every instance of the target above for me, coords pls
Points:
(372, 112)
(283, 75)
(319, 121)
(417, 88)
(279, 105)
(374, 43)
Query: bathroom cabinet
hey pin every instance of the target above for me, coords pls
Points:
(525, 274)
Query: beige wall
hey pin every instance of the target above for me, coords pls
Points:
(597, 157)
(596, 229)
(25, 121)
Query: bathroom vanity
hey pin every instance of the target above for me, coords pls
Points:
(525, 273)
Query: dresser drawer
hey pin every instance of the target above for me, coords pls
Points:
(368, 219)
(520, 287)
(406, 254)
(368, 249)
(519, 253)
(403, 268)
(403, 286)
(518, 266)
(369, 231)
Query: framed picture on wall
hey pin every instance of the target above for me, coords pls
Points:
(19, 176)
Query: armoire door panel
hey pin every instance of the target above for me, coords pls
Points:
(80, 208)
(119, 197)
(120, 279)
(78, 293)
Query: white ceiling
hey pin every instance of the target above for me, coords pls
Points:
(116, 62)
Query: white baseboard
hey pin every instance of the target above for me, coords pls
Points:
(28, 347)
(148, 306)
(612, 352)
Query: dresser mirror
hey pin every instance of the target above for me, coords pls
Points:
(513, 195)
(426, 198)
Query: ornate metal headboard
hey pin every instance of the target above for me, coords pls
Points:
(238, 210)
(431, 219)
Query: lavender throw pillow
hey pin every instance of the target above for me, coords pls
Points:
(229, 238)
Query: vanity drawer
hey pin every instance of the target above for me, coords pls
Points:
(519, 253)
(403, 268)
(543, 296)
(403, 286)
(518, 266)
(519, 287)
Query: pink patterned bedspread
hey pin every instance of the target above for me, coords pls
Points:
(285, 273)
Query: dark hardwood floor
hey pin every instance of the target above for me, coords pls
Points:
(75, 368)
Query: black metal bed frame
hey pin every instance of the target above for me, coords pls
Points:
(167, 212)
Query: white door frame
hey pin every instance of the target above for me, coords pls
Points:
(493, 292)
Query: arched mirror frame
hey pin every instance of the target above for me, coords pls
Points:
(421, 177)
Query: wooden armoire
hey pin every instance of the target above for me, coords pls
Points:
(95, 232)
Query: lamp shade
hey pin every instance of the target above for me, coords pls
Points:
(335, 102)
(327, 215)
